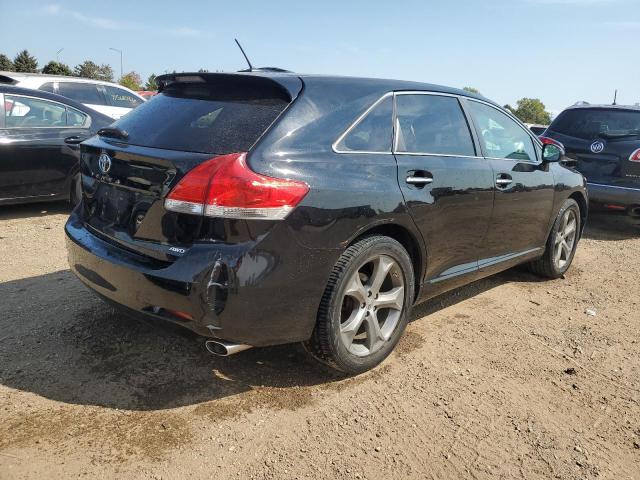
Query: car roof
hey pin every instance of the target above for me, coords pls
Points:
(603, 106)
(15, 77)
(384, 85)
(12, 89)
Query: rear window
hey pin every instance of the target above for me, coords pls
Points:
(119, 97)
(204, 118)
(587, 124)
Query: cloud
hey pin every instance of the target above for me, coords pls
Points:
(99, 22)
(186, 32)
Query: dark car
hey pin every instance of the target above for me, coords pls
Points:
(40, 134)
(262, 209)
(604, 143)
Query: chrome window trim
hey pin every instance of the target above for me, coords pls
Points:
(613, 186)
(355, 123)
(394, 148)
(86, 124)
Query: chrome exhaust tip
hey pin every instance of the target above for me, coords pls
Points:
(224, 349)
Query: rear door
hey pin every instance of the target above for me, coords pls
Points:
(524, 187)
(447, 185)
(34, 160)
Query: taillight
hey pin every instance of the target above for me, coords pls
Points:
(225, 186)
(551, 141)
(635, 156)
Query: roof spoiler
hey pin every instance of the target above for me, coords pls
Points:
(288, 86)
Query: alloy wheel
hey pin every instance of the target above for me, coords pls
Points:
(372, 305)
(565, 239)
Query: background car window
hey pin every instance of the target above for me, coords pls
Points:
(587, 123)
(26, 112)
(47, 87)
(121, 98)
(75, 118)
(374, 132)
(432, 124)
(501, 136)
(82, 92)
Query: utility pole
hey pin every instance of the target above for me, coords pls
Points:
(58, 55)
(120, 52)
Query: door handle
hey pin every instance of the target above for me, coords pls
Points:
(74, 140)
(503, 180)
(419, 180)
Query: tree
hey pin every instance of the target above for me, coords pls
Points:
(131, 80)
(151, 84)
(532, 110)
(6, 64)
(89, 69)
(25, 62)
(510, 108)
(472, 90)
(57, 68)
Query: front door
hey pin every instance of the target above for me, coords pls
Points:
(447, 185)
(524, 188)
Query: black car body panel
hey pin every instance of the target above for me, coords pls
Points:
(600, 139)
(260, 282)
(35, 162)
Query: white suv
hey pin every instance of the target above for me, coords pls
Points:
(105, 97)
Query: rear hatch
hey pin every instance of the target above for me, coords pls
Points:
(128, 170)
(601, 140)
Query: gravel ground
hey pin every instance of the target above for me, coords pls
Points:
(506, 378)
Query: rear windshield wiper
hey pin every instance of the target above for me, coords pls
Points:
(611, 136)
(113, 132)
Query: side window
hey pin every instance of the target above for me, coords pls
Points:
(500, 135)
(27, 112)
(432, 124)
(47, 87)
(82, 92)
(373, 133)
(121, 98)
(75, 118)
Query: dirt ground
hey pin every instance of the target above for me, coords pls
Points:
(506, 378)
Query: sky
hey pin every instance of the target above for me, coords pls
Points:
(560, 51)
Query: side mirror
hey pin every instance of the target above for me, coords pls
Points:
(552, 150)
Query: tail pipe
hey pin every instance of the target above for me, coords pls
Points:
(224, 349)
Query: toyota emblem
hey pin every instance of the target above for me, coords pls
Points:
(597, 146)
(104, 162)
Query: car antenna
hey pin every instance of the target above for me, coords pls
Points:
(615, 97)
(245, 55)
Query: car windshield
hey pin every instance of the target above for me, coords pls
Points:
(590, 123)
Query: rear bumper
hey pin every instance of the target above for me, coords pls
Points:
(257, 293)
(624, 196)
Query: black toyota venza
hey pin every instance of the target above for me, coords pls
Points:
(262, 208)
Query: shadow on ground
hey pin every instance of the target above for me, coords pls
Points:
(604, 225)
(61, 342)
(31, 210)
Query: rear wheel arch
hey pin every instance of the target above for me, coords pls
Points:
(408, 240)
(582, 205)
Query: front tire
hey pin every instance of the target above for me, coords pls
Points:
(365, 306)
(561, 244)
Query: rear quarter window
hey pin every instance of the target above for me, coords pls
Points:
(202, 118)
(87, 93)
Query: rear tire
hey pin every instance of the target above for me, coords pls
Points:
(561, 244)
(365, 306)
